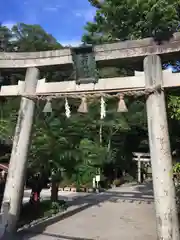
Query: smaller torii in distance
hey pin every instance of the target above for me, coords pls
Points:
(140, 157)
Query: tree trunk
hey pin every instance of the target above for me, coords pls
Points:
(54, 192)
(100, 134)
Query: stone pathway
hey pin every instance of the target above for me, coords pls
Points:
(125, 213)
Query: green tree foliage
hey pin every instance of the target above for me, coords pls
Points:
(174, 103)
(93, 154)
(129, 19)
(32, 38)
(5, 39)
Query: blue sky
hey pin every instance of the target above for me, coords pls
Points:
(64, 19)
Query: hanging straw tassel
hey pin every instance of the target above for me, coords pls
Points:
(83, 108)
(48, 106)
(67, 109)
(103, 108)
(122, 105)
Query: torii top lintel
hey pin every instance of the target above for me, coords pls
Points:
(103, 53)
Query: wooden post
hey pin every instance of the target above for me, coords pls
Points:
(14, 189)
(139, 169)
(164, 190)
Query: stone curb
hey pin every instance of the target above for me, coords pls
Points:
(42, 222)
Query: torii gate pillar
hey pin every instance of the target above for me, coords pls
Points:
(164, 190)
(14, 189)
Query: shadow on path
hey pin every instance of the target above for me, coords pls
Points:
(144, 195)
(146, 188)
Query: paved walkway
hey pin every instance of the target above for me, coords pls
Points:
(125, 213)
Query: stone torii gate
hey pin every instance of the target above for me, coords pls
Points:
(152, 81)
(141, 157)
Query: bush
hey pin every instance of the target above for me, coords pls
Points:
(105, 184)
(117, 182)
(177, 188)
(128, 178)
(30, 212)
(65, 183)
(88, 185)
(176, 177)
(57, 206)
